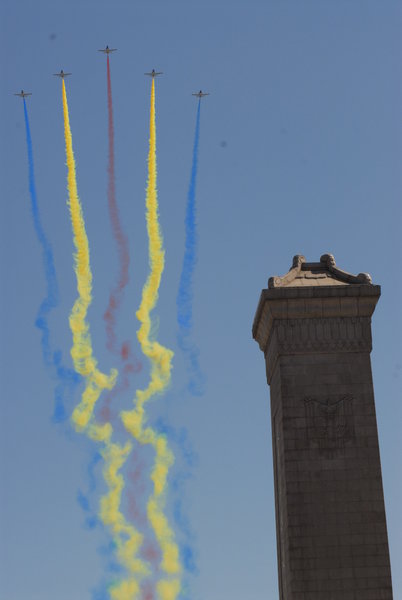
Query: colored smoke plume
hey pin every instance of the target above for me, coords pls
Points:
(184, 301)
(180, 438)
(116, 294)
(126, 539)
(160, 358)
(67, 378)
(82, 353)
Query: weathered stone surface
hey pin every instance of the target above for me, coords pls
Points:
(314, 327)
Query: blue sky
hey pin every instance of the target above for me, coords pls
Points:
(300, 152)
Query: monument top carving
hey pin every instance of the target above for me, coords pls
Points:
(313, 274)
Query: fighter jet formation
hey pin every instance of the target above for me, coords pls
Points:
(107, 51)
(113, 516)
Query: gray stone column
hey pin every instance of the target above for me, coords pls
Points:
(314, 327)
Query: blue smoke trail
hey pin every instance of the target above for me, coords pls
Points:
(112, 570)
(67, 378)
(84, 500)
(184, 301)
(107, 551)
(187, 553)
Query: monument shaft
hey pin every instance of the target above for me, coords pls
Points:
(314, 327)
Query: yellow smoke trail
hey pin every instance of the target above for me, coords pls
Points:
(127, 539)
(161, 359)
(81, 352)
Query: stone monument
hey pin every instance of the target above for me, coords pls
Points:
(314, 327)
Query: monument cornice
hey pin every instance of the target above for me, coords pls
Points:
(316, 335)
(299, 297)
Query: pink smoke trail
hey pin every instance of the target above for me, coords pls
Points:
(117, 292)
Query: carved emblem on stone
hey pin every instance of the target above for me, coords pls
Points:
(329, 423)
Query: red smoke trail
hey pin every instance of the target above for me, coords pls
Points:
(106, 415)
(116, 294)
(147, 592)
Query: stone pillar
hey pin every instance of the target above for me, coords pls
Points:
(314, 327)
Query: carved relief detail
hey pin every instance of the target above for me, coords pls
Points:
(342, 333)
(303, 336)
(330, 423)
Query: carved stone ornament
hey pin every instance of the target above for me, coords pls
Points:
(330, 423)
(325, 272)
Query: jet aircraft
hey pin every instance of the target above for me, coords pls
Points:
(62, 74)
(107, 50)
(23, 94)
(200, 94)
(154, 73)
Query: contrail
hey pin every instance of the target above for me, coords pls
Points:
(126, 538)
(160, 358)
(67, 378)
(184, 301)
